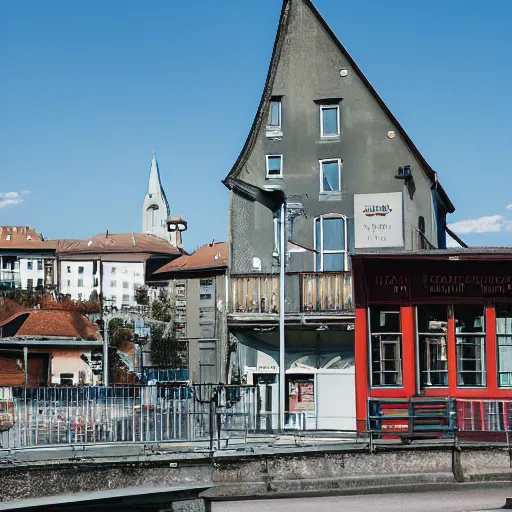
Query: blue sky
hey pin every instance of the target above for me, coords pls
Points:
(88, 88)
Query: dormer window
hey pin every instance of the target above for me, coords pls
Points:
(8, 237)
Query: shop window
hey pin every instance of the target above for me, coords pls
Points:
(386, 346)
(470, 339)
(432, 337)
(504, 338)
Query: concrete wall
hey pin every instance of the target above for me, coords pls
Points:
(303, 469)
(68, 360)
(309, 71)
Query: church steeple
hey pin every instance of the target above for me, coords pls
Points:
(155, 209)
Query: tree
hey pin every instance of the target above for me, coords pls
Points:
(162, 310)
(165, 349)
(141, 296)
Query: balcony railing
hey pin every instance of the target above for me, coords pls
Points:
(327, 292)
(255, 294)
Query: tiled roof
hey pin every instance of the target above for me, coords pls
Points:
(55, 323)
(206, 257)
(24, 237)
(9, 308)
(117, 243)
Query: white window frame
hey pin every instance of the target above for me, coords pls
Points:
(329, 107)
(321, 165)
(330, 251)
(280, 175)
(277, 127)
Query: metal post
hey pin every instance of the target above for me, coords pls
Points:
(282, 369)
(105, 352)
(25, 363)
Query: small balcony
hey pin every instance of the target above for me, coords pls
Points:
(326, 292)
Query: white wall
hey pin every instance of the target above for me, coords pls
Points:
(119, 280)
(70, 276)
(34, 273)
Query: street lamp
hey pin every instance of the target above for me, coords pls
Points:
(274, 200)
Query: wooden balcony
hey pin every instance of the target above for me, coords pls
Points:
(255, 294)
(326, 292)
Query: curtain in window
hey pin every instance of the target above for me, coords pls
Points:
(331, 176)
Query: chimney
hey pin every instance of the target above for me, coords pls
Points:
(106, 233)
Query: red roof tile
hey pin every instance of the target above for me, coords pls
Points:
(51, 322)
(117, 243)
(206, 257)
(24, 237)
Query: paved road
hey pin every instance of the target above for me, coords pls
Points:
(444, 501)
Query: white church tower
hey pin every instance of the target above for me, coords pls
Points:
(155, 209)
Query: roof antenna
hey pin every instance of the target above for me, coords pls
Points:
(106, 233)
(154, 153)
(212, 243)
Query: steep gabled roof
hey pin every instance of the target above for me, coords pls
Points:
(267, 92)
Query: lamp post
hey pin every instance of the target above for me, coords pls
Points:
(282, 266)
(274, 200)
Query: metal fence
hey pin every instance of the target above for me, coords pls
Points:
(138, 414)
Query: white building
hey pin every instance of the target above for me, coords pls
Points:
(113, 265)
(26, 259)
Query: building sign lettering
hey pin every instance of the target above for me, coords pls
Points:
(378, 220)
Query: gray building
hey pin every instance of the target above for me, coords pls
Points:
(196, 284)
(353, 180)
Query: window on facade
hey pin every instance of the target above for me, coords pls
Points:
(96, 281)
(79, 296)
(329, 120)
(113, 298)
(470, 339)
(125, 284)
(274, 165)
(126, 299)
(68, 282)
(386, 346)
(68, 270)
(331, 243)
(30, 265)
(80, 283)
(113, 270)
(113, 284)
(504, 338)
(66, 379)
(330, 175)
(433, 337)
(40, 283)
(39, 264)
(30, 283)
(274, 114)
(80, 270)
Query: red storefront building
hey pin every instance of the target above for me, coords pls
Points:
(434, 324)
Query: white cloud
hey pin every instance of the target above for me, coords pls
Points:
(450, 242)
(12, 198)
(509, 206)
(488, 224)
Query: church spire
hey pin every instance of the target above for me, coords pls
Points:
(155, 209)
